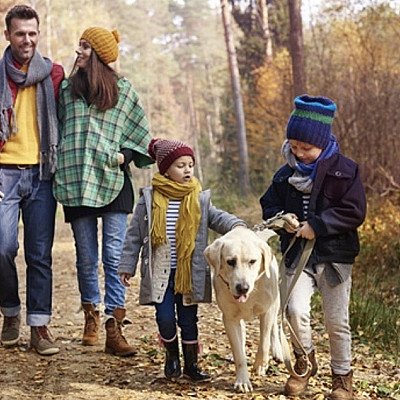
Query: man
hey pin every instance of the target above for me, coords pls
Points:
(28, 143)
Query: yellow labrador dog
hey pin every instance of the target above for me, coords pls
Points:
(245, 279)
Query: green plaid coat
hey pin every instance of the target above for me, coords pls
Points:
(88, 173)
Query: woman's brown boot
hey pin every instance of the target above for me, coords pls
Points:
(296, 385)
(92, 322)
(116, 343)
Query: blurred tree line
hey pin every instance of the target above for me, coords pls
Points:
(174, 53)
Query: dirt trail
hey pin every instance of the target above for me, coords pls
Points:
(85, 373)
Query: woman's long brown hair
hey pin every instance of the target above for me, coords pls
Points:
(97, 83)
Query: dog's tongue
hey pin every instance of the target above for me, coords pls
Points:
(242, 298)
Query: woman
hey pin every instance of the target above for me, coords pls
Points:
(103, 128)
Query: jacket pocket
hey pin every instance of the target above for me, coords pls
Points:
(336, 184)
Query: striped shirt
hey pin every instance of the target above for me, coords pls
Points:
(306, 203)
(172, 217)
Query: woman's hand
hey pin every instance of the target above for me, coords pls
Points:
(121, 159)
(125, 277)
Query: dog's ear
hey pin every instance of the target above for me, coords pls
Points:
(266, 257)
(213, 254)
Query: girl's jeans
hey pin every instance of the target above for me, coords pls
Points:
(166, 317)
(26, 195)
(87, 258)
(335, 303)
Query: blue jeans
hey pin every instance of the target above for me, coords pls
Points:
(26, 195)
(166, 319)
(87, 258)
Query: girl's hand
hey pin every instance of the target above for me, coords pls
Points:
(306, 232)
(124, 277)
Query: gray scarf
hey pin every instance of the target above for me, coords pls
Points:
(302, 183)
(38, 74)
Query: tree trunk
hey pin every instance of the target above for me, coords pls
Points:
(244, 180)
(193, 124)
(297, 47)
(262, 5)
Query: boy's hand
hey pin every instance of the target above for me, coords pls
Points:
(291, 223)
(124, 277)
(306, 232)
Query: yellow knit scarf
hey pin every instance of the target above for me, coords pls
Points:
(186, 226)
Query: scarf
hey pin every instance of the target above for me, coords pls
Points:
(304, 174)
(38, 74)
(186, 226)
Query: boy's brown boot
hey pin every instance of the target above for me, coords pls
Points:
(92, 322)
(116, 343)
(296, 385)
(342, 388)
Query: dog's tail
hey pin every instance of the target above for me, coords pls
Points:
(276, 347)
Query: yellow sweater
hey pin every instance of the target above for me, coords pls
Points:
(23, 147)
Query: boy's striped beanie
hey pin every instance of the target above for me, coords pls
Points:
(311, 120)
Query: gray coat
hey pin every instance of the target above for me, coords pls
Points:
(155, 262)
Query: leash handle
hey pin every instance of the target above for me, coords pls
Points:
(285, 293)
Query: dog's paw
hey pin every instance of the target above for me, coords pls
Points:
(243, 387)
(260, 365)
(260, 369)
(243, 384)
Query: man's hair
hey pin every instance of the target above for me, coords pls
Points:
(20, 11)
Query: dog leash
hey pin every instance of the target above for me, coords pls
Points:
(275, 223)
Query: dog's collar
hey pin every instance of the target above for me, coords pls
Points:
(223, 280)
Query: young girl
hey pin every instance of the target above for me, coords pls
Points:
(323, 188)
(103, 128)
(170, 225)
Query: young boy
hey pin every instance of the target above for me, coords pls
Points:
(169, 229)
(324, 190)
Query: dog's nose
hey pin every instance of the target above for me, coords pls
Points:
(242, 288)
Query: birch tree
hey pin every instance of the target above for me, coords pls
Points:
(244, 180)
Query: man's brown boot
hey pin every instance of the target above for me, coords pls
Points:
(296, 385)
(342, 387)
(116, 343)
(92, 322)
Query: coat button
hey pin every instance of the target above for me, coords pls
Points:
(146, 217)
(338, 173)
(146, 239)
(146, 261)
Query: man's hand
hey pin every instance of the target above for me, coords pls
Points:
(125, 277)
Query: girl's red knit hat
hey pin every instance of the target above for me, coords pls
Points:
(165, 152)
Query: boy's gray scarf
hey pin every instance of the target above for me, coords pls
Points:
(302, 183)
(38, 74)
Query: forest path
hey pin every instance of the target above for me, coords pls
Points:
(85, 373)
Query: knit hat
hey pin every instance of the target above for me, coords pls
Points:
(311, 120)
(165, 152)
(104, 43)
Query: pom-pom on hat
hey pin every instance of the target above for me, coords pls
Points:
(311, 120)
(104, 43)
(165, 152)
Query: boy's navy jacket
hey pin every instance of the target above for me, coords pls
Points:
(337, 207)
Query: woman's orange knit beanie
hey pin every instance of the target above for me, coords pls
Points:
(104, 43)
